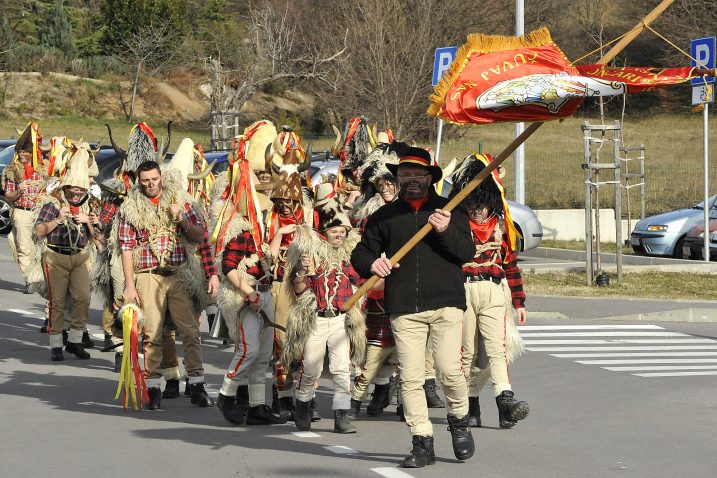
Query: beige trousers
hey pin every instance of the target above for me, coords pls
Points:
(484, 330)
(63, 274)
(330, 333)
(411, 332)
(380, 364)
(22, 226)
(159, 293)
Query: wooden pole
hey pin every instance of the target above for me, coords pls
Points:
(498, 160)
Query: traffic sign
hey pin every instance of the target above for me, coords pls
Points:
(442, 62)
(703, 50)
(703, 94)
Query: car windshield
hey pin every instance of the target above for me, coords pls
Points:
(710, 200)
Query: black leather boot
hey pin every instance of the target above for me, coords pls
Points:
(77, 350)
(107, 342)
(232, 411)
(87, 342)
(355, 409)
(262, 415)
(315, 415)
(155, 399)
(199, 396)
(56, 354)
(432, 398)
(509, 410)
(286, 408)
(342, 423)
(43, 329)
(473, 412)
(379, 400)
(422, 453)
(243, 396)
(463, 446)
(171, 389)
(302, 415)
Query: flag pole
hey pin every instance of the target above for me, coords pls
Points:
(498, 160)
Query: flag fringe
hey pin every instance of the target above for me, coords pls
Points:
(479, 43)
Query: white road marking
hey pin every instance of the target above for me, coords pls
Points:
(636, 361)
(306, 434)
(21, 311)
(391, 472)
(675, 374)
(638, 354)
(662, 367)
(341, 450)
(619, 341)
(620, 348)
(603, 334)
(108, 405)
(528, 328)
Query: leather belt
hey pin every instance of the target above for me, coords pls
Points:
(327, 313)
(159, 272)
(67, 251)
(483, 277)
(24, 208)
(263, 287)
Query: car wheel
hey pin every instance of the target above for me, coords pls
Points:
(677, 251)
(5, 221)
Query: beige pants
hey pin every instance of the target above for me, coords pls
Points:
(281, 297)
(380, 364)
(330, 333)
(66, 274)
(159, 293)
(484, 330)
(22, 226)
(412, 338)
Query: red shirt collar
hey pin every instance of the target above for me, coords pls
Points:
(416, 203)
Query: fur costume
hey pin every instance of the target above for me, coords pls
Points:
(374, 170)
(303, 312)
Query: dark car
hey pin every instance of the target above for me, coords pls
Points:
(6, 156)
(693, 246)
(6, 143)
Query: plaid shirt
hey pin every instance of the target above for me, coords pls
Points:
(62, 235)
(334, 285)
(28, 197)
(237, 249)
(378, 322)
(130, 238)
(109, 209)
(506, 266)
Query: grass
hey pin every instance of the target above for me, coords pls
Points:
(608, 247)
(679, 285)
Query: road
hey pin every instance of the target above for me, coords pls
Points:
(597, 410)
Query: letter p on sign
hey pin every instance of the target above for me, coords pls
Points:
(703, 51)
(442, 62)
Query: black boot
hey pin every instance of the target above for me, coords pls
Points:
(463, 446)
(155, 399)
(232, 411)
(77, 350)
(199, 396)
(186, 387)
(510, 411)
(422, 453)
(64, 337)
(274, 399)
(171, 389)
(262, 415)
(473, 412)
(342, 423)
(286, 408)
(315, 415)
(56, 354)
(355, 409)
(399, 412)
(302, 415)
(379, 400)
(87, 342)
(432, 398)
(107, 342)
(118, 362)
(243, 396)
(43, 329)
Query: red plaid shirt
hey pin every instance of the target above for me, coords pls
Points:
(378, 322)
(335, 285)
(237, 249)
(28, 197)
(109, 209)
(62, 236)
(130, 238)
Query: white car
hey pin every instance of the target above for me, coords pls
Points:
(524, 218)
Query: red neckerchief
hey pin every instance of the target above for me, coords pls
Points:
(29, 170)
(285, 221)
(155, 200)
(483, 231)
(416, 203)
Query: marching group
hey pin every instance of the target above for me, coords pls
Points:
(280, 259)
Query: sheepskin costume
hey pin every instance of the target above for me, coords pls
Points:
(29, 140)
(374, 170)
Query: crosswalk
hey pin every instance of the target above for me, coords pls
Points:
(643, 350)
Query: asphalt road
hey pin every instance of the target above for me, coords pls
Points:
(590, 419)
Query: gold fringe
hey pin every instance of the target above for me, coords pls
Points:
(479, 43)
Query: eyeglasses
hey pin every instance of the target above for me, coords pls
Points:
(418, 177)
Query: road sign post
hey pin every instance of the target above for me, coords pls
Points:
(441, 63)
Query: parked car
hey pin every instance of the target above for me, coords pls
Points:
(6, 156)
(524, 218)
(6, 143)
(664, 234)
(694, 245)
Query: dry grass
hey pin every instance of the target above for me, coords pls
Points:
(608, 247)
(673, 285)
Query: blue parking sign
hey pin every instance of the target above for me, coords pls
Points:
(703, 50)
(442, 62)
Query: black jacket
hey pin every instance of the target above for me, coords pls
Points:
(430, 275)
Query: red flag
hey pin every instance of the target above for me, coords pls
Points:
(639, 78)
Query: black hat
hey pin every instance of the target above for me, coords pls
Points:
(413, 156)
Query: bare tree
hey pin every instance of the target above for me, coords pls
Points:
(150, 48)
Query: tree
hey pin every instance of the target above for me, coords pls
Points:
(58, 33)
(123, 18)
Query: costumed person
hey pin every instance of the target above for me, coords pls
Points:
(424, 295)
(352, 148)
(493, 283)
(379, 187)
(244, 296)
(290, 209)
(23, 181)
(323, 279)
(162, 234)
(66, 223)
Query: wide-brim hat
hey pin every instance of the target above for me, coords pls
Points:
(77, 174)
(412, 156)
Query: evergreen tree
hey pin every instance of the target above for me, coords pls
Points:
(58, 33)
